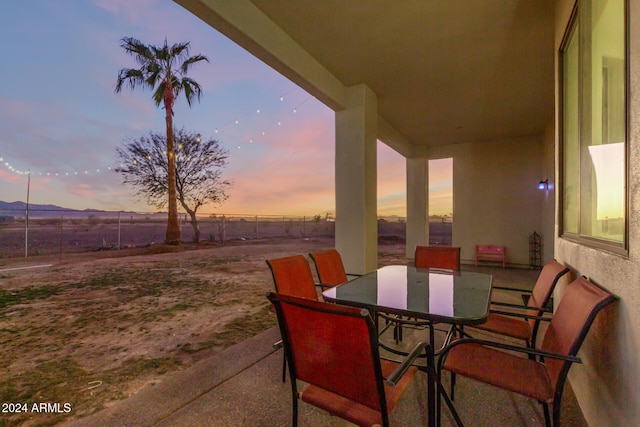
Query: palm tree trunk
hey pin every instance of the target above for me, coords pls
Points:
(173, 224)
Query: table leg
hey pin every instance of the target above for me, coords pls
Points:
(431, 394)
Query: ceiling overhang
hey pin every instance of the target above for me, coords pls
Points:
(444, 72)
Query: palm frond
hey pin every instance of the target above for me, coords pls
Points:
(137, 49)
(157, 68)
(179, 50)
(191, 89)
(131, 76)
(184, 68)
(158, 94)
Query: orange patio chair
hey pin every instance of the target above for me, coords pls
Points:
(334, 350)
(541, 378)
(292, 276)
(524, 324)
(444, 257)
(330, 268)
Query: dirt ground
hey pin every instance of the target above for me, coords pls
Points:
(99, 326)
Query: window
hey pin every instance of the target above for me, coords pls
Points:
(594, 125)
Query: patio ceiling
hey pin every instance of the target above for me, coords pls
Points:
(444, 71)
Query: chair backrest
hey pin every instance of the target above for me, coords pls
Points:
(580, 304)
(292, 276)
(543, 289)
(333, 347)
(445, 257)
(329, 267)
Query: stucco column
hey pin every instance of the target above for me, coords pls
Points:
(417, 204)
(356, 175)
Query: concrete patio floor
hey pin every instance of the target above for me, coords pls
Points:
(242, 387)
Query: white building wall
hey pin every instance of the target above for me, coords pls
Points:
(548, 202)
(495, 195)
(607, 383)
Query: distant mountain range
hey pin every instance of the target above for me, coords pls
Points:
(17, 209)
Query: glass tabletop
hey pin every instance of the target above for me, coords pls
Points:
(460, 297)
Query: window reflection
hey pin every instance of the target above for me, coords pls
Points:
(441, 294)
(594, 124)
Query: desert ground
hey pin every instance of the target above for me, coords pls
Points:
(96, 327)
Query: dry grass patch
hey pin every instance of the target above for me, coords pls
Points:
(97, 328)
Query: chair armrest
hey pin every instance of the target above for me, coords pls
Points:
(520, 315)
(522, 307)
(395, 376)
(508, 347)
(506, 288)
(326, 286)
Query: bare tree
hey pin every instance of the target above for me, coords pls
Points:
(198, 164)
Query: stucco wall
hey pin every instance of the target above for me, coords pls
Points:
(607, 384)
(548, 202)
(495, 195)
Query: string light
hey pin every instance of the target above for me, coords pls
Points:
(279, 122)
(12, 169)
(217, 131)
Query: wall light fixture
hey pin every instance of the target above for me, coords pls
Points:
(543, 185)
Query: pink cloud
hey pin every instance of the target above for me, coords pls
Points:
(296, 175)
(136, 103)
(391, 184)
(9, 177)
(299, 183)
(126, 10)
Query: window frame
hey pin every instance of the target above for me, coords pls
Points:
(621, 248)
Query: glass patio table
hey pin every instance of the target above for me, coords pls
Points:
(455, 297)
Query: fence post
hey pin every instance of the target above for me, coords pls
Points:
(256, 227)
(118, 230)
(61, 222)
(224, 226)
(26, 217)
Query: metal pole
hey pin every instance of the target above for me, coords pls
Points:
(61, 221)
(26, 217)
(224, 231)
(118, 230)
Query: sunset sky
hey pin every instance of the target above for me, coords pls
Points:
(60, 117)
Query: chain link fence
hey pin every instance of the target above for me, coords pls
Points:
(48, 232)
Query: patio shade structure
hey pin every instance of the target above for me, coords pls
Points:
(430, 79)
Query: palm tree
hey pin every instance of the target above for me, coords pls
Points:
(163, 69)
